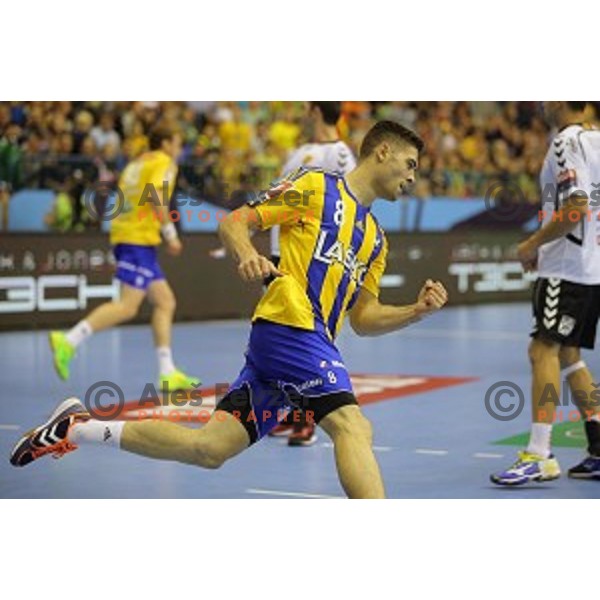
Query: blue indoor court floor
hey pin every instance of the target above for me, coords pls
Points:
(432, 439)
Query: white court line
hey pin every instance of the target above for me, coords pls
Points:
(9, 427)
(426, 451)
(431, 452)
(487, 455)
(261, 492)
(469, 335)
(375, 448)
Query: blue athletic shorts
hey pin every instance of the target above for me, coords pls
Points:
(287, 369)
(137, 266)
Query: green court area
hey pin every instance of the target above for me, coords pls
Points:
(565, 435)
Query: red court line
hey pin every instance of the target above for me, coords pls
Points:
(370, 388)
(430, 383)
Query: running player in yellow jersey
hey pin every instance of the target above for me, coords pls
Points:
(327, 152)
(333, 254)
(135, 235)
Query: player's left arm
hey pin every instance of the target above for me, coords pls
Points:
(370, 317)
(168, 229)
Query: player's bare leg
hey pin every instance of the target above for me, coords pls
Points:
(545, 367)
(357, 467)
(119, 311)
(105, 316)
(219, 440)
(163, 300)
(536, 463)
(586, 395)
(71, 425)
(581, 382)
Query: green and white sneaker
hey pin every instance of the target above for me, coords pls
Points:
(63, 353)
(178, 380)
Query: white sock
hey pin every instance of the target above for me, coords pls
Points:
(540, 440)
(79, 333)
(573, 368)
(107, 433)
(165, 360)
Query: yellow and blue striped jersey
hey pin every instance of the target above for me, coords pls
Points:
(139, 183)
(331, 247)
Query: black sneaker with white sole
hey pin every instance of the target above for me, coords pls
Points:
(588, 468)
(52, 437)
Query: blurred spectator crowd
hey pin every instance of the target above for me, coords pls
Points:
(240, 146)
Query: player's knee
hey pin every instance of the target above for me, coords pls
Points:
(167, 303)
(569, 355)
(207, 454)
(170, 304)
(542, 350)
(212, 462)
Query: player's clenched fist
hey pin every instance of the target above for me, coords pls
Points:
(256, 268)
(432, 297)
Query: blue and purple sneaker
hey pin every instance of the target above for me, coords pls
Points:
(528, 467)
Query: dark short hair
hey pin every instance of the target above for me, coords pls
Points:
(392, 131)
(331, 111)
(160, 132)
(576, 105)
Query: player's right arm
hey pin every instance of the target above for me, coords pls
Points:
(235, 233)
(282, 205)
(566, 219)
(169, 231)
(572, 203)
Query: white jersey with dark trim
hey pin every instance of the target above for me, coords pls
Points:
(334, 157)
(571, 168)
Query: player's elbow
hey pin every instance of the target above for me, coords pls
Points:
(222, 222)
(364, 314)
(243, 218)
(578, 203)
(359, 324)
(226, 228)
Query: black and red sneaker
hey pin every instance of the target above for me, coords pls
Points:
(304, 434)
(52, 437)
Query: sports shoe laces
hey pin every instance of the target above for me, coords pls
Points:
(57, 450)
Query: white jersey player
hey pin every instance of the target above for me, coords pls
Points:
(572, 169)
(566, 295)
(331, 155)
